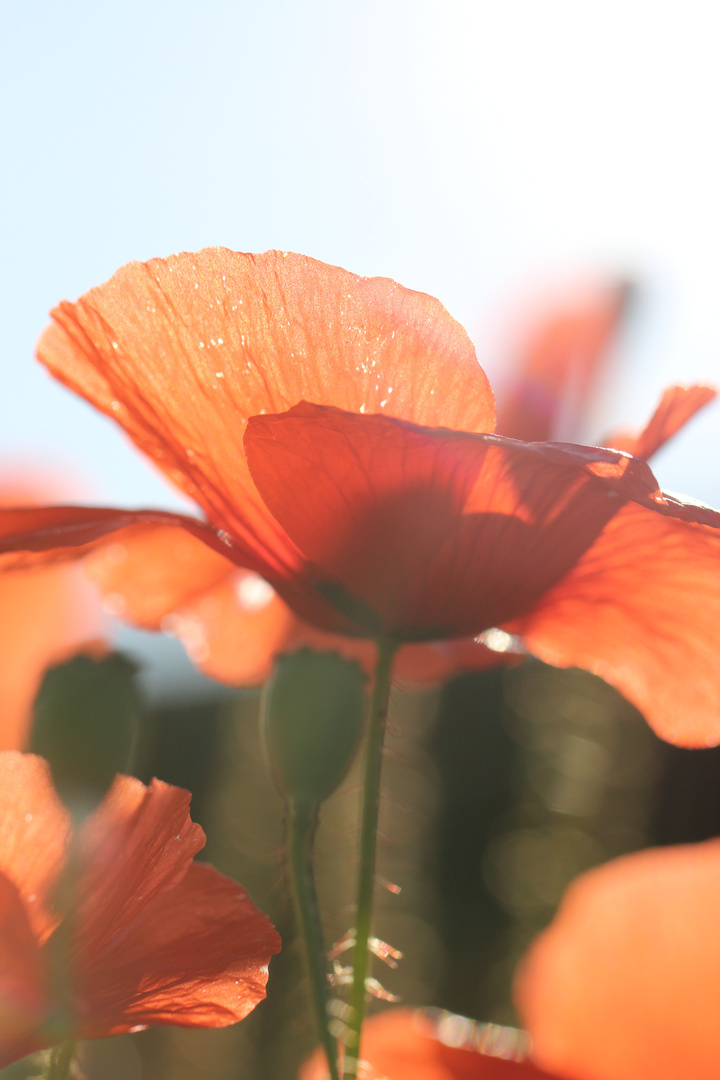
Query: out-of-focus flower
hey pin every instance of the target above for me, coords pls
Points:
(48, 613)
(378, 504)
(560, 354)
(150, 937)
(624, 983)
(417, 1044)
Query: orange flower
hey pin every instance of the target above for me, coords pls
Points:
(560, 357)
(48, 614)
(233, 628)
(336, 432)
(154, 937)
(624, 983)
(409, 1044)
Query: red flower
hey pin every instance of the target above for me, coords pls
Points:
(234, 627)
(409, 1044)
(156, 939)
(624, 983)
(377, 502)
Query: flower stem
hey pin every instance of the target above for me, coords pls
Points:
(368, 849)
(60, 1061)
(301, 823)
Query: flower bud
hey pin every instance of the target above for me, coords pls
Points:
(85, 719)
(313, 718)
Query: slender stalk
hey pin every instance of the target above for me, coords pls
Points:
(301, 823)
(368, 850)
(60, 1061)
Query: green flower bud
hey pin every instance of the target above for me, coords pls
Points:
(313, 718)
(85, 720)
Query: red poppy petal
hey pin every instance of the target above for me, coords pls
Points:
(642, 609)
(558, 362)
(33, 535)
(197, 956)
(230, 620)
(181, 351)
(624, 984)
(234, 631)
(677, 406)
(23, 998)
(428, 533)
(406, 1044)
(149, 571)
(34, 834)
(136, 845)
(49, 613)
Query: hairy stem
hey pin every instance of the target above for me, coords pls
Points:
(368, 850)
(60, 1061)
(301, 823)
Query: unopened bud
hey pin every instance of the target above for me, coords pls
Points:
(313, 717)
(85, 720)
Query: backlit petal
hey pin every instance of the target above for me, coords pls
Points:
(642, 609)
(34, 834)
(47, 615)
(149, 571)
(138, 844)
(230, 620)
(22, 975)
(429, 533)
(408, 1044)
(624, 984)
(559, 359)
(181, 351)
(34, 535)
(197, 956)
(677, 406)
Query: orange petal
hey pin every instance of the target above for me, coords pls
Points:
(642, 609)
(559, 359)
(407, 1044)
(135, 846)
(34, 834)
(230, 620)
(624, 984)
(181, 351)
(23, 999)
(425, 533)
(234, 630)
(677, 406)
(197, 956)
(34, 535)
(47, 615)
(149, 571)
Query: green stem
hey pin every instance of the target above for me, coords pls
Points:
(368, 850)
(301, 823)
(60, 1061)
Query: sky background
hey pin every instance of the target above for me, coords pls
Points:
(482, 151)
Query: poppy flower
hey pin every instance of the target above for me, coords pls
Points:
(153, 937)
(234, 627)
(560, 354)
(49, 613)
(624, 983)
(336, 432)
(417, 1044)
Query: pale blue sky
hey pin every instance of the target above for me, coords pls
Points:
(469, 149)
